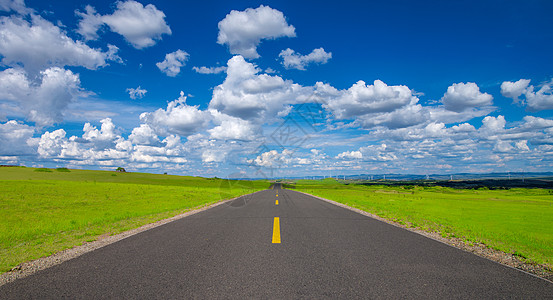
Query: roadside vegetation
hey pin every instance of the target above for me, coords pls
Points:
(516, 221)
(43, 211)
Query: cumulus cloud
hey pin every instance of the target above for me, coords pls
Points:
(540, 100)
(45, 101)
(17, 138)
(178, 118)
(52, 143)
(293, 60)
(242, 31)
(374, 105)
(514, 89)
(103, 138)
(350, 155)
(144, 135)
(492, 124)
(142, 26)
(232, 128)
(255, 97)
(137, 93)
(106, 147)
(39, 44)
(173, 62)
(210, 70)
(361, 99)
(462, 96)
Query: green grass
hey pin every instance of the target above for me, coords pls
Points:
(43, 212)
(516, 221)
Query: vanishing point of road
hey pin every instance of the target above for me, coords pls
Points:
(278, 244)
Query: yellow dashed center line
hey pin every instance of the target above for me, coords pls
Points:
(276, 202)
(276, 231)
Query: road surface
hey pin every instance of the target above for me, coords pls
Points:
(317, 250)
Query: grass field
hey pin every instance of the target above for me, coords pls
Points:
(517, 221)
(43, 211)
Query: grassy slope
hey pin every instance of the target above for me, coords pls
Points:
(517, 221)
(45, 212)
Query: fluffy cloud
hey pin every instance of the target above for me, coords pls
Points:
(140, 25)
(514, 89)
(350, 155)
(136, 93)
(51, 143)
(16, 138)
(103, 138)
(255, 97)
(373, 105)
(540, 100)
(173, 62)
(232, 128)
(40, 44)
(14, 5)
(42, 102)
(178, 118)
(210, 70)
(105, 147)
(462, 96)
(144, 135)
(293, 60)
(242, 31)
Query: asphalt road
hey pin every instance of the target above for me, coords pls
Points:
(325, 251)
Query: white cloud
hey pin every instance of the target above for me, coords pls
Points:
(378, 153)
(173, 62)
(103, 138)
(14, 5)
(514, 89)
(522, 145)
(16, 138)
(51, 143)
(137, 93)
(232, 128)
(269, 159)
(540, 100)
(90, 23)
(242, 31)
(361, 99)
(293, 60)
(493, 124)
(462, 96)
(210, 70)
(255, 97)
(144, 135)
(43, 102)
(350, 155)
(140, 25)
(178, 118)
(40, 44)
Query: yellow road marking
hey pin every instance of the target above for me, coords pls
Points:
(276, 202)
(276, 231)
(277, 195)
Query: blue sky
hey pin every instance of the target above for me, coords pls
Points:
(287, 88)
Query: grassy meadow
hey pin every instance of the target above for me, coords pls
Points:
(43, 211)
(517, 221)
